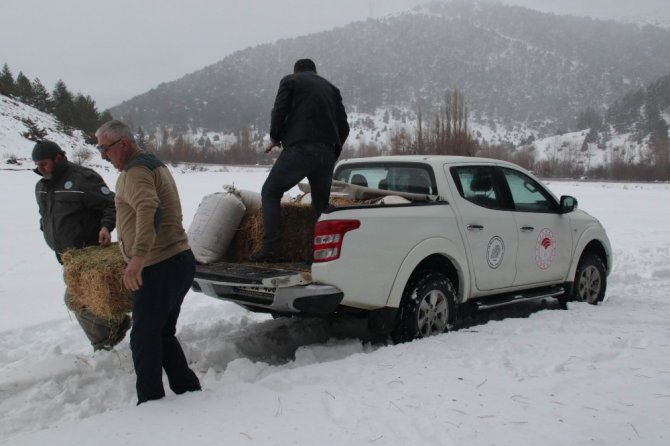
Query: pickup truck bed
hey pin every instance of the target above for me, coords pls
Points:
(250, 272)
(273, 288)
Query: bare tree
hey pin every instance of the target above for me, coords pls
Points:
(81, 154)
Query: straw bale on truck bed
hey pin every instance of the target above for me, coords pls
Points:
(297, 232)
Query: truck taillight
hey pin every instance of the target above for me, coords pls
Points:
(328, 238)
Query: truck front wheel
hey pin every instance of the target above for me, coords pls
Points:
(590, 280)
(427, 308)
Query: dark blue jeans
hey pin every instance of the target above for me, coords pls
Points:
(156, 307)
(314, 161)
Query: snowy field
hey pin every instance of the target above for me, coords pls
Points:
(523, 376)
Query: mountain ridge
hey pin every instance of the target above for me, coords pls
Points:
(516, 68)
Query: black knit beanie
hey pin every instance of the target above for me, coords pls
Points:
(46, 150)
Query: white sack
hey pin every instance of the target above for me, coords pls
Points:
(250, 199)
(394, 199)
(214, 225)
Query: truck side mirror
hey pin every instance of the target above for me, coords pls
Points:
(568, 204)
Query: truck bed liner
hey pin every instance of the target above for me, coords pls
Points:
(251, 273)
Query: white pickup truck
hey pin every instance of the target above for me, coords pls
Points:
(473, 233)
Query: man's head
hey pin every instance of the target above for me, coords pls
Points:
(303, 65)
(116, 142)
(46, 155)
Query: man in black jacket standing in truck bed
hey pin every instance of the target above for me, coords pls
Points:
(310, 123)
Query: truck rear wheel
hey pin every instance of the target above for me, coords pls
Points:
(427, 308)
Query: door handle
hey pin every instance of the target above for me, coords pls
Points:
(527, 229)
(475, 228)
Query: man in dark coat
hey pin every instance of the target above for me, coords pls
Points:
(309, 121)
(76, 210)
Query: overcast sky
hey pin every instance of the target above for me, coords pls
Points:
(118, 49)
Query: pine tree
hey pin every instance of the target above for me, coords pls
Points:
(23, 89)
(104, 117)
(33, 131)
(86, 116)
(41, 97)
(64, 108)
(6, 81)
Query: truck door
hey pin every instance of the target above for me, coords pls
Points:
(545, 236)
(490, 232)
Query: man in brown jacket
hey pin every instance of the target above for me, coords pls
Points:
(161, 265)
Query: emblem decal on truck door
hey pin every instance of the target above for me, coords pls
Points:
(495, 252)
(545, 248)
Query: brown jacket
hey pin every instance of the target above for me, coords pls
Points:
(148, 210)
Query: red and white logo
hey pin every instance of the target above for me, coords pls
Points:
(545, 249)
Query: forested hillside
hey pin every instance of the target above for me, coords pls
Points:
(515, 67)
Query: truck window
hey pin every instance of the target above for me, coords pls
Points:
(477, 185)
(528, 195)
(402, 177)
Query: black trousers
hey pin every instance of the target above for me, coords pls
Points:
(156, 307)
(315, 161)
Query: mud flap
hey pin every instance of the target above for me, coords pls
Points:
(383, 320)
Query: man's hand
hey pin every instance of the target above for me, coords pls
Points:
(272, 145)
(104, 237)
(132, 276)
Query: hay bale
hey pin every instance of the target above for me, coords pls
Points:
(338, 201)
(94, 277)
(297, 231)
(248, 238)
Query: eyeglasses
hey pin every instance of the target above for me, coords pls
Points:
(103, 149)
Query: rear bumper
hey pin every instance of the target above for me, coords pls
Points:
(307, 299)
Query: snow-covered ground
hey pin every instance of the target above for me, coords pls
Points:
(587, 376)
(15, 119)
